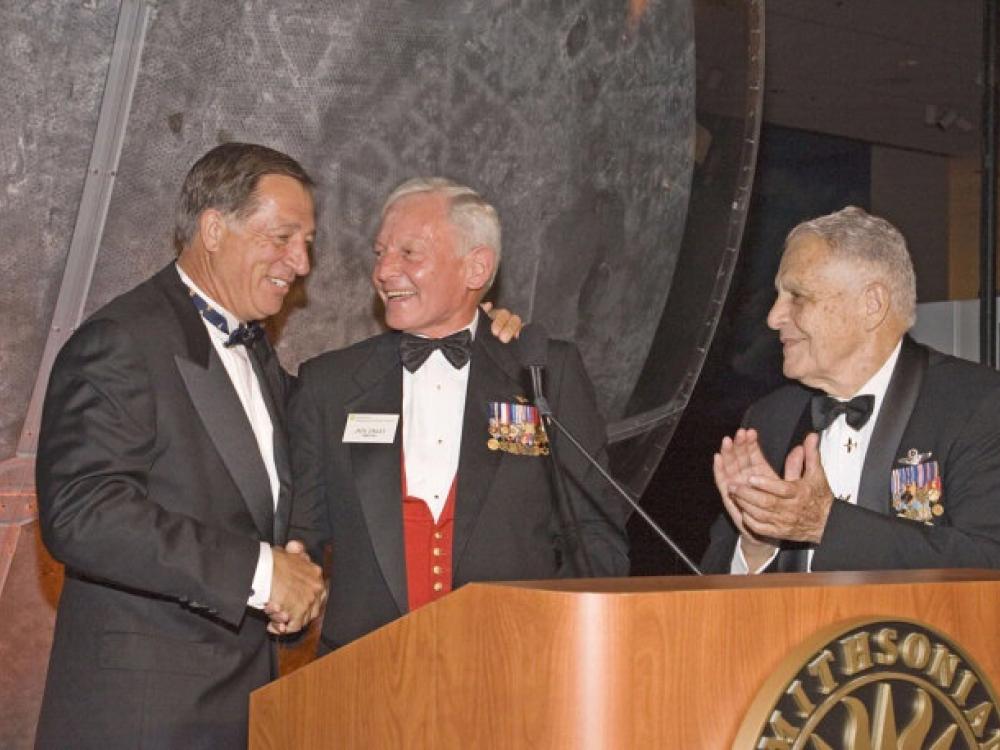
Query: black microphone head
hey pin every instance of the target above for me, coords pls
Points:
(533, 345)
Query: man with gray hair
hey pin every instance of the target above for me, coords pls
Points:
(416, 452)
(888, 451)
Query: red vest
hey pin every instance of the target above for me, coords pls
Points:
(428, 547)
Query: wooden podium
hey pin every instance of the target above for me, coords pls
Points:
(614, 663)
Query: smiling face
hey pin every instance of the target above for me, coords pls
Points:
(426, 286)
(251, 263)
(820, 318)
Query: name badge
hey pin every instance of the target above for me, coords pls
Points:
(370, 428)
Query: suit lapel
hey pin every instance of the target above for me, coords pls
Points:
(893, 416)
(215, 399)
(376, 467)
(779, 436)
(267, 369)
(802, 429)
(493, 376)
(225, 421)
(793, 556)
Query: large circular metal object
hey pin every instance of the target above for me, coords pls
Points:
(622, 198)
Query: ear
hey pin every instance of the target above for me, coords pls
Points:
(479, 263)
(877, 300)
(211, 229)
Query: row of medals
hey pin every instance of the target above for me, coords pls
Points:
(519, 431)
(919, 503)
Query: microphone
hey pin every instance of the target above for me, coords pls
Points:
(534, 344)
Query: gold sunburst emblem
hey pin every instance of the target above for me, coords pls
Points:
(874, 684)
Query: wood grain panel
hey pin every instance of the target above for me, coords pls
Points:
(664, 662)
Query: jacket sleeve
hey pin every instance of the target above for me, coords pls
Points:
(310, 519)
(97, 447)
(722, 537)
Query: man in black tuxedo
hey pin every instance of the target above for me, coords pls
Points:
(889, 451)
(416, 453)
(164, 481)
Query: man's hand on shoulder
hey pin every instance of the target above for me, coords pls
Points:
(506, 325)
(297, 590)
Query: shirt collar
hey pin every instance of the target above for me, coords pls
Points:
(231, 320)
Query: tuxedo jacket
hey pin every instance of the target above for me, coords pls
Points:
(152, 492)
(505, 527)
(935, 404)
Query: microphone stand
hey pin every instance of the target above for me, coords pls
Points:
(560, 480)
(546, 411)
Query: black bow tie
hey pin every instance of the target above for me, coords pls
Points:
(857, 411)
(414, 350)
(246, 334)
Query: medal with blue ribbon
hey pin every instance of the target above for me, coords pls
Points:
(516, 428)
(916, 488)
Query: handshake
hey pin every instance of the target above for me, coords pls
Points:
(298, 591)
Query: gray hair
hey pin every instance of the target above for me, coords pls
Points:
(853, 234)
(477, 221)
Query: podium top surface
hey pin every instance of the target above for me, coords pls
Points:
(664, 584)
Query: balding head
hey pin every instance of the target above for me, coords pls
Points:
(845, 298)
(875, 247)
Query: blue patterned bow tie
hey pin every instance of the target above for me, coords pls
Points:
(246, 333)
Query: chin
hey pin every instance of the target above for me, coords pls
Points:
(791, 372)
(396, 323)
(266, 311)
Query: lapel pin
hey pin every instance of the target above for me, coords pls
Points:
(914, 457)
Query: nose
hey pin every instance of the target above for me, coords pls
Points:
(298, 257)
(385, 266)
(778, 313)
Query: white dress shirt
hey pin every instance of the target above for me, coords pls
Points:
(236, 360)
(433, 414)
(842, 451)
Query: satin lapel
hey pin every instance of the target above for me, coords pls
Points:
(225, 421)
(777, 437)
(493, 377)
(176, 293)
(893, 416)
(376, 467)
(794, 556)
(214, 398)
(802, 429)
(267, 369)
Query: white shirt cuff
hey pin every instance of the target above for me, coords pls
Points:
(739, 566)
(260, 589)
